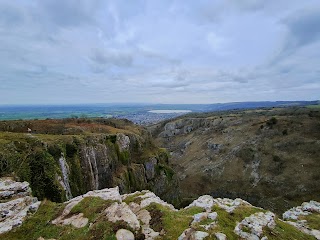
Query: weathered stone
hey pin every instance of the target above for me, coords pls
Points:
(150, 168)
(209, 226)
(6, 194)
(204, 201)
(144, 216)
(220, 236)
(213, 215)
(186, 234)
(199, 217)
(199, 235)
(230, 205)
(149, 233)
(18, 203)
(124, 234)
(306, 208)
(149, 197)
(123, 142)
(118, 212)
(255, 223)
(311, 206)
(77, 221)
(190, 233)
(105, 194)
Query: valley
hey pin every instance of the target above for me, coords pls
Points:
(269, 157)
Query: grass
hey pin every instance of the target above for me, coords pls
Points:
(133, 198)
(313, 220)
(91, 207)
(285, 231)
(313, 106)
(174, 222)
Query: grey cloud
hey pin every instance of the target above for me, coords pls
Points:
(111, 57)
(69, 13)
(169, 85)
(10, 15)
(249, 4)
(303, 29)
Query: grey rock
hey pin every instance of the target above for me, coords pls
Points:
(150, 168)
(124, 234)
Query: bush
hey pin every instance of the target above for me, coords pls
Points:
(272, 121)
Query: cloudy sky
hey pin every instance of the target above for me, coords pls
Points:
(158, 51)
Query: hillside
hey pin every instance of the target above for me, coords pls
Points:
(269, 157)
(66, 158)
(105, 214)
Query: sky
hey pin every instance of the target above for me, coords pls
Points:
(158, 51)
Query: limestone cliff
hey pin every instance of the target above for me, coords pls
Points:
(66, 158)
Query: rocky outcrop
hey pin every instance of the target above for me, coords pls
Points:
(123, 142)
(141, 215)
(122, 212)
(207, 202)
(252, 227)
(78, 220)
(296, 217)
(16, 203)
(145, 198)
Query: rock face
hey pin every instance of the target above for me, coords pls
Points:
(65, 174)
(16, 203)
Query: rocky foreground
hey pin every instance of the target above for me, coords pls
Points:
(105, 214)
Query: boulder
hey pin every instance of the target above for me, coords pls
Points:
(124, 234)
(220, 236)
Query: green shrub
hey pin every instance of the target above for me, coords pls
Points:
(272, 121)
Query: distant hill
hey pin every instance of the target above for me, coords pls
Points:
(137, 113)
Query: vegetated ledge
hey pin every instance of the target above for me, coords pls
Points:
(105, 214)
